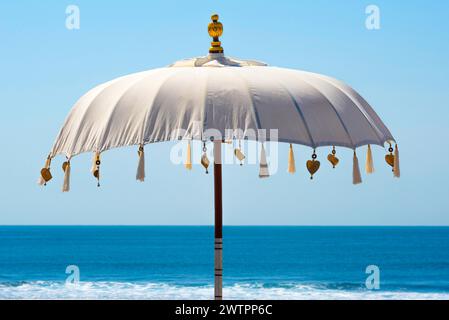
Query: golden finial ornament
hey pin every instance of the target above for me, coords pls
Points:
(215, 29)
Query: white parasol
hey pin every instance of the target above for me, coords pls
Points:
(220, 98)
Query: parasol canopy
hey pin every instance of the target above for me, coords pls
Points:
(198, 98)
(219, 98)
(216, 97)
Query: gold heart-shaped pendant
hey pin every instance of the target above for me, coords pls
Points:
(389, 158)
(46, 174)
(64, 166)
(333, 160)
(239, 154)
(205, 162)
(313, 166)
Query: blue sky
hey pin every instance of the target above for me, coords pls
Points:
(401, 69)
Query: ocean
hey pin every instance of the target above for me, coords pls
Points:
(170, 262)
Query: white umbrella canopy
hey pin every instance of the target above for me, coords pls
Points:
(220, 98)
(197, 101)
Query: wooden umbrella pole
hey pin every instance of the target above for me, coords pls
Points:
(218, 222)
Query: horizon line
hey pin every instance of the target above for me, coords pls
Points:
(224, 226)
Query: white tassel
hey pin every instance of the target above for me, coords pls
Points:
(369, 167)
(396, 168)
(291, 161)
(188, 163)
(66, 185)
(41, 181)
(356, 176)
(263, 172)
(140, 176)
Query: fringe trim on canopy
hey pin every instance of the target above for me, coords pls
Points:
(41, 181)
(188, 163)
(356, 176)
(396, 168)
(263, 172)
(291, 160)
(66, 184)
(369, 167)
(140, 175)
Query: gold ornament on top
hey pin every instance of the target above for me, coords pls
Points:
(215, 29)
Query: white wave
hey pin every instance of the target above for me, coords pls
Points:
(160, 291)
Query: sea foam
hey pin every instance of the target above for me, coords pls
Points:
(163, 291)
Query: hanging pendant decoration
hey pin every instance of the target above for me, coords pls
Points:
(66, 170)
(313, 165)
(263, 171)
(188, 164)
(332, 158)
(204, 159)
(291, 160)
(140, 175)
(239, 154)
(389, 158)
(96, 167)
(369, 166)
(396, 168)
(356, 176)
(45, 173)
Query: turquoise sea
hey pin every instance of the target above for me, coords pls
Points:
(259, 262)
